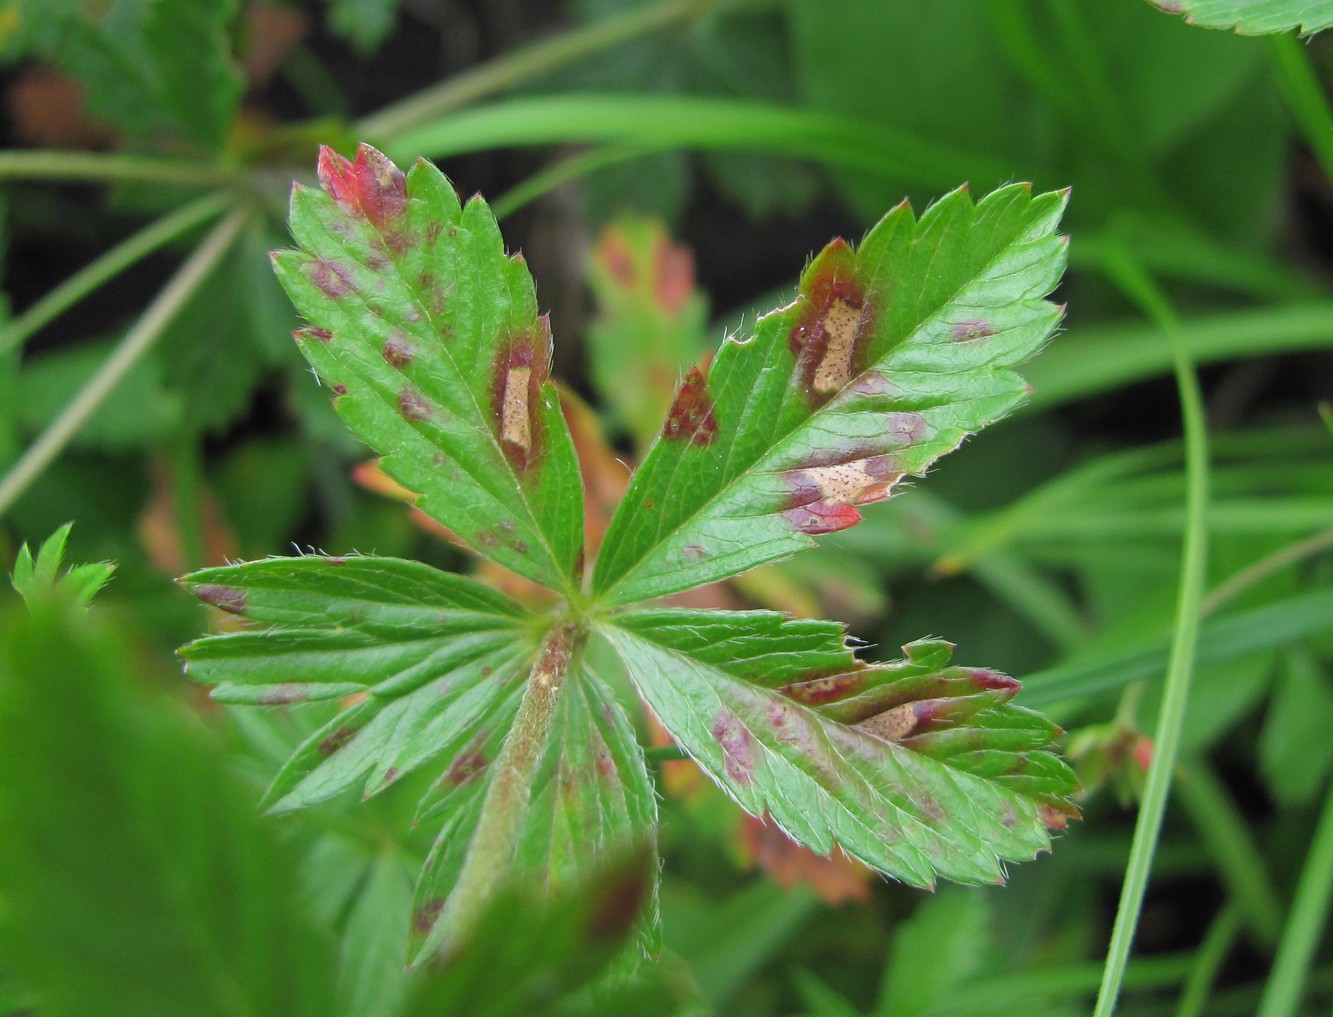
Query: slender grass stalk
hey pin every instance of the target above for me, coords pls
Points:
(1208, 961)
(1304, 95)
(525, 64)
(108, 266)
(47, 165)
(1229, 841)
(1260, 570)
(575, 167)
(1193, 574)
(1305, 925)
(136, 342)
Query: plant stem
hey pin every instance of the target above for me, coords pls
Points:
(506, 806)
(108, 266)
(1305, 924)
(47, 165)
(137, 341)
(1304, 95)
(524, 64)
(1193, 574)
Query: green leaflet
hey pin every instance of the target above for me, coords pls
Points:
(430, 339)
(1254, 17)
(930, 770)
(887, 359)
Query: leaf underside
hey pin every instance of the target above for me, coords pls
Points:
(889, 356)
(1254, 17)
(432, 668)
(429, 337)
(914, 768)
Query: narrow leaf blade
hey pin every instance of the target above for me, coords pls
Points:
(429, 337)
(888, 358)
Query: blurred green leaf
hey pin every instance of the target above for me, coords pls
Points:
(150, 67)
(136, 877)
(364, 23)
(40, 581)
(1294, 755)
(942, 945)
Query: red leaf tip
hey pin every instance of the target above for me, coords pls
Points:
(370, 187)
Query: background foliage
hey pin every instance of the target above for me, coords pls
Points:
(149, 389)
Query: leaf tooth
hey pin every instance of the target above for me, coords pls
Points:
(371, 187)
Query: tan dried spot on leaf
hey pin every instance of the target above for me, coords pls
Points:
(515, 422)
(891, 725)
(835, 367)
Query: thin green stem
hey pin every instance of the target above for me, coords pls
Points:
(505, 809)
(110, 265)
(573, 168)
(1228, 839)
(1193, 574)
(1304, 95)
(1208, 961)
(1305, 925)
(47, 165)
(525, 64)
(1263, 568)
(137, 341)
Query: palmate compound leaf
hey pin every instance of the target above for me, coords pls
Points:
(428, 334)
(437, 669)
(914, 767)
(888, 358)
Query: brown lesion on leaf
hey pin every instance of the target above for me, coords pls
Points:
(413, 405)
(398, 351)
(314, 332)
(835, 315)
(691, 416)
(225, 598)
(893, 724)
(972, 330)
(335, 741)
(823, 494)
(329, 277)
(283, 695)
(521, 366)
(467, 764)
(370, 187)
(425, 917)
(733, 737)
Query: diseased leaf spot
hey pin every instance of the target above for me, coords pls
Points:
(312, 332)
(284, 694)
(737, 752)
(335, 741)
(425, 917)
(971, 330)
(621, 901)
(398, 352)
(226, 598)
(691, 417)
(517, 375)
(823, 497)
(467, 764)
(412, 405)
(826, 690)
(339, 389)
(984, 678)
(834, 318)
(328, 277)
(372, 187)
(693, 552)
(893, 724)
